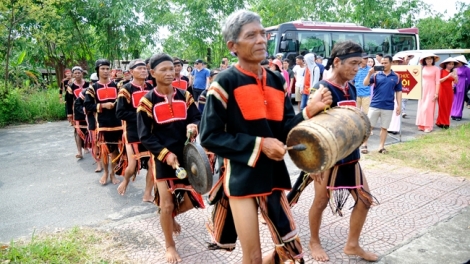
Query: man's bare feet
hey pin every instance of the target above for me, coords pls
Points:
(114, 180)
(121, 189)
(98, 167)
(369, 256)
(176, 227)
(79, 156)
(171, 255)
(317, 252)
(104, 179)
(148, 198)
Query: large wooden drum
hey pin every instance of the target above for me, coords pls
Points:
(329, 137)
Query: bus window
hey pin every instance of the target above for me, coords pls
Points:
(272, 40)
(316, 42)
(342, 36)
(403, 42)
(377, 43)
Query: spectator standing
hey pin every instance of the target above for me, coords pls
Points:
(285, 67)
(463, 75)
(276, 67)
(378, 59)
(446, 93)
(199, 79)
(312, 76)
(427, 104)
(299, 74)
(319, 62)
(371, 64)
(395, 123)
(363, 91)
(387, 87)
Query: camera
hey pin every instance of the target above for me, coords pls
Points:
(378, 68)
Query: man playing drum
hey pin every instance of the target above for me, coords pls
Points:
(246, 120)
(346, 176)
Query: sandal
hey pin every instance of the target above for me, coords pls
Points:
(383, 151)
(364, 150)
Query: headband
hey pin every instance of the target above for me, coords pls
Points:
(67, 70)
(77, 68)
(342, 57)
(141, 63)
(154, 63)
(177, 62)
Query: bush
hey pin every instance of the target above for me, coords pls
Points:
(20, 105)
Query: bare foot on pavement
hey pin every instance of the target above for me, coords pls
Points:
(121, 189)
(369, 256)
(171, 255)
(104, 179)
(317, 251)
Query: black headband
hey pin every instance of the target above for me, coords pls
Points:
(178, 62)
(154, 63)
(342, 57)
(141, 63)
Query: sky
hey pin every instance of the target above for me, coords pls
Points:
(441, 5)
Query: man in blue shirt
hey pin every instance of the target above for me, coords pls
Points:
(387, 86)
(199, 79)
(363, 91)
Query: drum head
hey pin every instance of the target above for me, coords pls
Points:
(198, 167)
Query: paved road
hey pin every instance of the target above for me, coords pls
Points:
(43, 186)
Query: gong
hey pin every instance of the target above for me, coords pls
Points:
(198, 167)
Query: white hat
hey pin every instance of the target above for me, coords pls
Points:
(450, 59)
(461, 59)
(427, 55)
(397, 58)
(94, 77)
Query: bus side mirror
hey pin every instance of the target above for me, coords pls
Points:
(283, 45)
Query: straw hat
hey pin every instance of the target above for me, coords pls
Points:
(450, 59)
(427, 55)
(461, 59)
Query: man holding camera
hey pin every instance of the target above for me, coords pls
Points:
(363, 91)
(387, 86)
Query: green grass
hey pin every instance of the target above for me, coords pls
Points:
(445, 151)
(73, 246)
(30, 106)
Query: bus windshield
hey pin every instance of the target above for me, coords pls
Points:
(272, 40)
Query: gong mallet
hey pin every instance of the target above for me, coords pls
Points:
(298, 147)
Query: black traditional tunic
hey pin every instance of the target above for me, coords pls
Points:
(162, 125)
(109, 127)
(71, 96)
(126, 108)
(240, 111)
(96, 95)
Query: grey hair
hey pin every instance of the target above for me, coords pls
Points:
(134, 62)
(234, 23)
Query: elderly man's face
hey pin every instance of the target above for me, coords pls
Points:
(251, 43)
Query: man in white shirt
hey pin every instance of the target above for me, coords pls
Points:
(299, 74)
